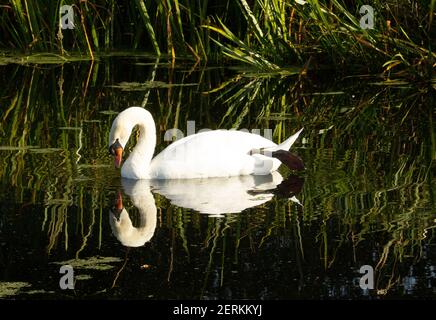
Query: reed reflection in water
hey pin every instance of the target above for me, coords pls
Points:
(367, 197)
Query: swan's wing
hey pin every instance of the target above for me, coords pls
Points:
(218, 153)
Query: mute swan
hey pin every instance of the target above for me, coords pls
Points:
(216, 153)
(214, 196)
(121, 224)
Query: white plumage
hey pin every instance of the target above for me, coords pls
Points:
(217, 153)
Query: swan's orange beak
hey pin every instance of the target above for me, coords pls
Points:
(118, 157)
(118, 207)
(119, 202)
(117, 151)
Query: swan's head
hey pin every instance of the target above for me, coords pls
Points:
(116, 149)
(120, 132)
(120, 222)
(118, 208)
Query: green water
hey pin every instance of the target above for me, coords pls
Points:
(366, 196)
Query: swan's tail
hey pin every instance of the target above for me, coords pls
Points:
(286, 145)
(281, 152)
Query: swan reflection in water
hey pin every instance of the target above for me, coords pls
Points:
(213, 196)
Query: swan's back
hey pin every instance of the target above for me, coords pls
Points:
(218, 153)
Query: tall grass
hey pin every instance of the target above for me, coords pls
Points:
(170, 27)
(281, 33)
(34, 26)
(271, 35)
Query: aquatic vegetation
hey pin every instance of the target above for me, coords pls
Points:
(368, 194)
(91, 263)
(364, 96)
(10, 289)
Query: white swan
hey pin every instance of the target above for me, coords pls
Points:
(216, 153)
(216, 196)
(121, 224)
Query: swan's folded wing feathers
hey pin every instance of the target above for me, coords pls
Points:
(216, 153)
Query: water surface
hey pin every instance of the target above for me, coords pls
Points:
(366, 197)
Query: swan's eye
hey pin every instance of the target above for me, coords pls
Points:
(113, 147)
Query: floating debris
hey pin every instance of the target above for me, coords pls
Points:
(8, 289)
(92, 263)
(137, 86)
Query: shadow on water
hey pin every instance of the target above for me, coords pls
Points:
(365, 198)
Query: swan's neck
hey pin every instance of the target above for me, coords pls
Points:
(138, 164)
(126, 232)
(148, 214)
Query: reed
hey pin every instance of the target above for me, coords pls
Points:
(318, 33)
(172, 27)
(272, 35)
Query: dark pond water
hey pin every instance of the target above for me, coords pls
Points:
(366, 196)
